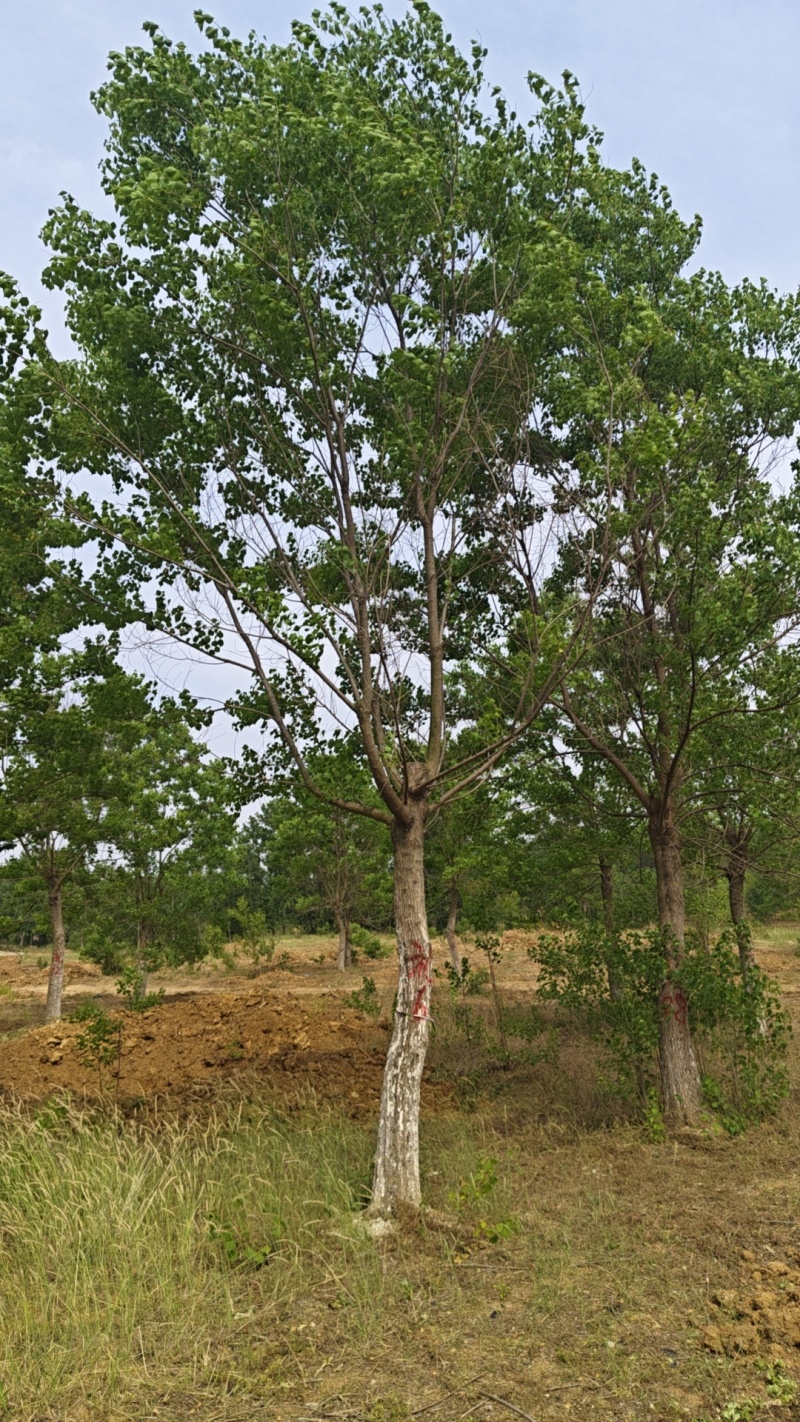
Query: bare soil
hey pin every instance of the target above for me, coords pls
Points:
(640, 1279)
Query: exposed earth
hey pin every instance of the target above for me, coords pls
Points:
(620, 1267)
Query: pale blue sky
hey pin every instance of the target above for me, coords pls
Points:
(703, 91)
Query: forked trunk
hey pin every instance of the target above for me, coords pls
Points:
(344, 957)
(607, 894)
(450, 931)
(396, 1183)
(52, 1010)
(681, 1089)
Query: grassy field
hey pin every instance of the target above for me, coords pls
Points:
(211, 1263)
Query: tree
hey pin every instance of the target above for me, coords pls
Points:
(165, 874)
(704, 381)
(311, 349)
(324, 861)
(747, 773)
(60, 727)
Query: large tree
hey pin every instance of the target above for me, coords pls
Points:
(311, 351)
(704, 385)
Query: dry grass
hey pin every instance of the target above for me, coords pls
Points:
(214, 1267)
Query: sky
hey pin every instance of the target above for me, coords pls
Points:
(704, 92)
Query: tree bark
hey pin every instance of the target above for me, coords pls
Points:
(607, 891)
(396, 1183)
(735, 873)
(450, 931)
(55, 984)
(607, 895)
(344, 956)
(681, 1089)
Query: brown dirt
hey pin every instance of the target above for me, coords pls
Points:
(646, 1279)
(191, 1042)
(763, 1315)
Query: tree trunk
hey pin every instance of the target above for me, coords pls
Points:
(396, 1183)
(450, 931)
(735, 872)
(607, 894)
(681, 1088)
(344, 956)
(52, 1011)
(607, 891)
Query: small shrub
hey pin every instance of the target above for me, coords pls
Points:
(130, 987)
(365, 999)
(256, 939)
(468, 981)
(655, 1130)
(99, 1043)
(369, 943)
(739, 1016)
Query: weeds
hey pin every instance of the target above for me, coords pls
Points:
(130, 987)
(100, 1042)
(365, 999)
(368, 943)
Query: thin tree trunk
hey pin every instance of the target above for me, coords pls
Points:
(396, 1183)
(735, 872)
(52, 1010)
(450, 931)
(607, 894)
(142, 945)
(344, 956)
(681, 1088)
(607, 891)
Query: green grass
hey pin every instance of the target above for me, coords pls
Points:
(135, 1263)
(216, 1268)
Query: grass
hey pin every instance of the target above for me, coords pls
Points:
(215, 1268)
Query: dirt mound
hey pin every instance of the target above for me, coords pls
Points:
(18, 971)
(763, 1316)
(189, 1043)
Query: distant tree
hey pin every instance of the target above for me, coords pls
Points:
(166, 873)
(60, 728)
(324, 862)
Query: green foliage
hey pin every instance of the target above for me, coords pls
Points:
(131, 990)
(256, 939)
(468, 982)
(368, 943)
(477, 1185)
(612, 981)
(780, 1386)
(365, 999)
(231, 1234)
(474, 1190)
(653, 1119)
(100, 1041)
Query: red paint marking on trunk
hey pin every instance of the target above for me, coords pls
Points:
(418, 967)
(675, 1004)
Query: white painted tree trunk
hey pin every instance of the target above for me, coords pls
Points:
(52, 1011)
(396, 1183)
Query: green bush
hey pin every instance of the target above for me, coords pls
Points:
(369, 943)
(611, 981)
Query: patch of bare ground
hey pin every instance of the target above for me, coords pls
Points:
(565, 1265)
